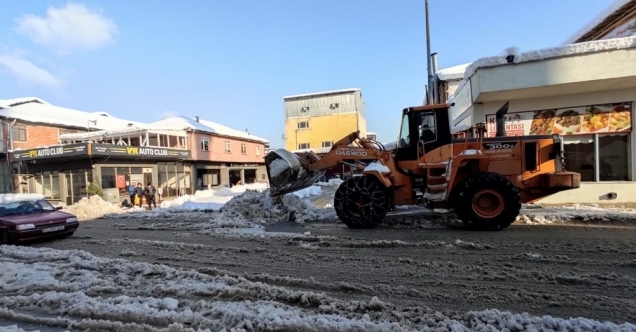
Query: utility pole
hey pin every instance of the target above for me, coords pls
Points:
(429, 94)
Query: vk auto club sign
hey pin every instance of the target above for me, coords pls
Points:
(51, 152)
(138, 152)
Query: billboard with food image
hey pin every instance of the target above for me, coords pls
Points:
(583, 120)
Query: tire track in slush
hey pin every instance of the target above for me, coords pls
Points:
(560, 271)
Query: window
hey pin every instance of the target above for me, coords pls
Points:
(19, 133)
(258, 150)
(302, 146)
(303, 125)
(579, 155)
(243, 148)
(109, 179)
(614, 157)
(334, 106)
(205, 144)
(304, 109)
(327, 144)
(228, 147)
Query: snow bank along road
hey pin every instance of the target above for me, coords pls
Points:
(148, 274)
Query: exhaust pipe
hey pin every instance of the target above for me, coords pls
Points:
(501, 122)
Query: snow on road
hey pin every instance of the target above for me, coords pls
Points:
(76, 290)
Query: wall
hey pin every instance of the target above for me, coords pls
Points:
(38, 135)
(322, 128)
(217, 150)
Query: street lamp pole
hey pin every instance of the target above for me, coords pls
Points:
(429, 95)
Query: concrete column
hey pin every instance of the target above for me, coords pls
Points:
(242, 176)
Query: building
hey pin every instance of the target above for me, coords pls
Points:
(618, 20)
(180, 154)
(317, 120)
(28, 123)
(585, 92)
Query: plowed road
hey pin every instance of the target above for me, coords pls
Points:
(558, 270)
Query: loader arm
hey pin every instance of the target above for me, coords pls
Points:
(289, 172)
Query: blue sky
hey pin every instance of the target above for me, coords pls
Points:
(232, 61)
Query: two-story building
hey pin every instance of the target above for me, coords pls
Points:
(56, 157)
(317, 120)
(29, 123)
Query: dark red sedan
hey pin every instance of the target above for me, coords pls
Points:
(25, 217)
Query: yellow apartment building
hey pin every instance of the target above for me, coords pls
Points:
(315, 121)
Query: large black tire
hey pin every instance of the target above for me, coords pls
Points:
(487, 201)
(361, 202)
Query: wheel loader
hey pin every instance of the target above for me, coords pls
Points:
(483, 179)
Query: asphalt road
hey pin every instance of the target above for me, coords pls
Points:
(562, 271)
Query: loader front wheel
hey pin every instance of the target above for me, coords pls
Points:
(488, 201)
(361, 202)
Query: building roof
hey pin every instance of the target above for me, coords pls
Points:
(609, 15)
(590, 47)
(455, 73)
(32, 109)
(323, 93)
(184, 123)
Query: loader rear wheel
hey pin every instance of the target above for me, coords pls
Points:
(361, 202)
(488, 201)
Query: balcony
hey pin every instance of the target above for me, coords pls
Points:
(131, 137)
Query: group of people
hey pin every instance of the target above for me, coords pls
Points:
(149, 192)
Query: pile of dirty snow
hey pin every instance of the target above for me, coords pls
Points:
(543, 215)
(335, 182)
(92, 208)
(254, 208)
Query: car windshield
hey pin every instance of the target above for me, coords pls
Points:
(23, 207)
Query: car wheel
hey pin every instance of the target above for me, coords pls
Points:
(4, 237)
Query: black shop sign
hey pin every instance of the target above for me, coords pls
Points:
(56, 151)
(139, 152)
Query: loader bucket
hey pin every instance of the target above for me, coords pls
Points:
(288, 173)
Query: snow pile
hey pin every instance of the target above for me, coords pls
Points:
(335, 182)
(92, 208)
(377, 166)
(14, 328)
(452, 73)
(209, 200)
(308, 192)
(254, 209)
(543, 215)
(78, 291)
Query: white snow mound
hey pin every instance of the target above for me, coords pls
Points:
(92, 208)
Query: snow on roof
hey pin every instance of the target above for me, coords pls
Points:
(323, 93)
(452, 73)
(598, 19)
(227, 131)
(595, 46)
(39, 111)
(371, 133)
(181, 122)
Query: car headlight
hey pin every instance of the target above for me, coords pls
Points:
(25, 226)
(72, 219)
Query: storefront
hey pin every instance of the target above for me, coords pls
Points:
(586, 94)
(65, 172)
(215, 174)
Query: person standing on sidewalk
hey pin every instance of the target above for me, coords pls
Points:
(139, 192)
(160, 192)
(150, 195)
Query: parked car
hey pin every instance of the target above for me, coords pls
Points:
(25, 217)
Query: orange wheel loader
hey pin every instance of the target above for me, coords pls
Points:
(483, 179)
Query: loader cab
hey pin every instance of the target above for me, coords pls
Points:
(425, 125)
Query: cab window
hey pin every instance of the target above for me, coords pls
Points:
(404, 139)
(427, 127)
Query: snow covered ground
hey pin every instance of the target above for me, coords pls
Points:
(76, 290)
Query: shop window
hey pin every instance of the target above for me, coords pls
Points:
(579, 155)
(55, 185)
(243, 148)
(162, 174)
(258, 150)
(19, 133)
(205, 144)
(614, 158)
(78, 180)
(228, 147)
(303, 146)
(109, 178)
(171, 183)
